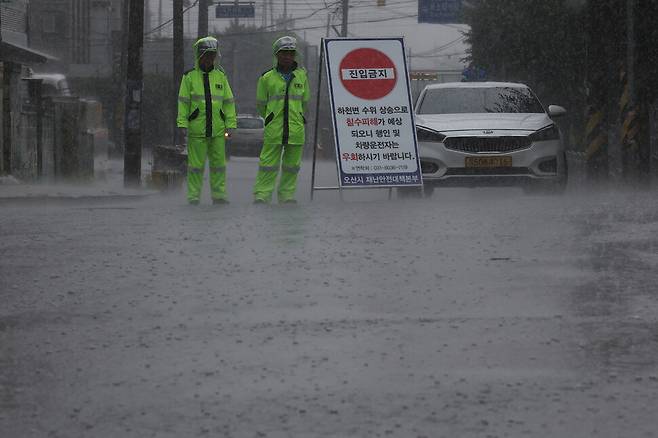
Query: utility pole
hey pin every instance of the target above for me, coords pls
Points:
(148, 15)
(597, 119)
(160, 18)
(203, 18)
(629, 122)
(132, 158)
(263, 21)
(343, 28)
(234, 48)
(4, 148)
(646, 79)
(178, 61)
(285, 14)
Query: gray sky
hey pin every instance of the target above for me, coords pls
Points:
(432, 46)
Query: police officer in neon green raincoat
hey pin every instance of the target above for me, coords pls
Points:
(281, 98)
(206, 111)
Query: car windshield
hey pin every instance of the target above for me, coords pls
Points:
(250, 123)
(479, 100)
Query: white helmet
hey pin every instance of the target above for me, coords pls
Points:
(207, 44)
(284, 43)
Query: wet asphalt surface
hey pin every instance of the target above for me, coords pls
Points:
(474, 313)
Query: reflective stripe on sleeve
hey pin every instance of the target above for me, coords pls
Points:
(231, 100)
(197, 97)
(268, 168)
(217, 98)
(184, 99)
(219, 169)
(282, 97)
(195, 170)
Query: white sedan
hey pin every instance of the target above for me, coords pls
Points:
(247, 139)
(488, 133)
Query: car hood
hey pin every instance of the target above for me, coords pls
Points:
(479, 122)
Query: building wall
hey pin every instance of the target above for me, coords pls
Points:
(2, 120)
(81, 33)
(17, 155)
(14, 21)
(13, 28)
(50, 27)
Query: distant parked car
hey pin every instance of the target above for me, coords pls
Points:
(485, 133)
(247, 139)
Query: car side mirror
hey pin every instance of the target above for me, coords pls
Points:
(556, 111)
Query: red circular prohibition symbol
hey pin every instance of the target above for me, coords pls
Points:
(368, 73)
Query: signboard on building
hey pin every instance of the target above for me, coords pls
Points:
(423, 75)
(233, 10)
(440, 11)
(372, 112)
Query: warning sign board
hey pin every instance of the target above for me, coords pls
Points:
(372, 112)
(368, 73)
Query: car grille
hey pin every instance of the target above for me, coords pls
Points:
(486, 144)
(492, 171)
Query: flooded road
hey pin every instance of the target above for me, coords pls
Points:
(474, 313)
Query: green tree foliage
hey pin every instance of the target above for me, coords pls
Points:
(647, 49)
(537, 42)
(565, 49)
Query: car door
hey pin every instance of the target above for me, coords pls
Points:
(249, 136)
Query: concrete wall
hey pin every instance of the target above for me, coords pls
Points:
(14, 21)
(81, 33)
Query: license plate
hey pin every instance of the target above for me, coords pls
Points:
(488, 162)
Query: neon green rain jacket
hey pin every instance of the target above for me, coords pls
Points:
(205, 101)
(283, 104)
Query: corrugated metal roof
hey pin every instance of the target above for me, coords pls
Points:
(22, 54)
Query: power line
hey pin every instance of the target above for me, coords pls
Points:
(445, 46)
(299, 18)
(304, 6)
(444, 55)
(160, 26)
(327, 7)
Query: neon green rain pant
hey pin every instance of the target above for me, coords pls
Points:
(197, 150)
(268, 168)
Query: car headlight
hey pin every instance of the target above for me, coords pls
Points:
(548, 133)
(429, 135)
